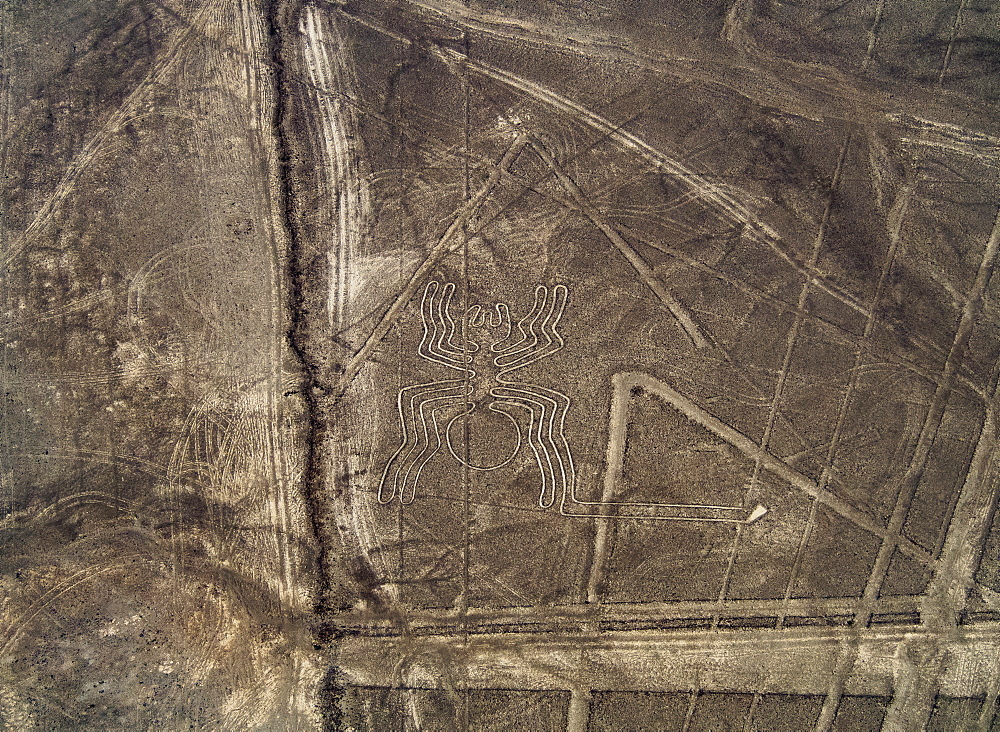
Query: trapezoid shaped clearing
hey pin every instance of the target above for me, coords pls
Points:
(626, 382)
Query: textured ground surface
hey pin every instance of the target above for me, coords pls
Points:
(499, 366)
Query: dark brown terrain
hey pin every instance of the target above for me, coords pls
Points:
(439, 365)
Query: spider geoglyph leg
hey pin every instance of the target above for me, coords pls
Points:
(420, 405)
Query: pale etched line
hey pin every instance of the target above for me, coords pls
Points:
(617, 423)
(916, 687)
(911, 479)
(797, 562)
(547, 410)
(432, 346)
(968, 530)
(851, 105)
(8, 494)
(817, 282)
(99, 456)
(981, 146)
(706, 190)
(254, 45)
(552, 454)
(772, 463)
(408, 440)
(72, 501)
(619, 611)
(684, 512)
(513, 358)
(598, 560)
(93, 146)
(614, 460)
(442, 248)
(341, 150)
(552, 404)
(456, 615)
(946, 63)
(338, 168)
(645, 271)
(748, 725)
(136, 291)
(556, 433)
(689, 714)
(786, 362)
(571, 38)
(715, 660)
(895, 224)
(622, 387)
(280, 465)
(844, 664)
(991, 697)
(578, 715)
(737, 645)
(484, 504)
(462, 601)
(711, 193)
(423, 440)
(895, 221)
(873, 35)
(896, 218)
(429, 328)
(76, 305)
(935, 414)
(746, 287)
(11, 630)
(356, 521)
(800, 310)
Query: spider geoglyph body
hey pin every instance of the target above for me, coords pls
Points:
(484, 347)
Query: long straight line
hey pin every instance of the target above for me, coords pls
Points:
(786, 362)
(946, 62)
(992, 693)
(935, 414)
(946, 596)
(896, 217)
(893, 536)
(917, 686)
(447, 620)
(5, 279)
(444, 246)
(725, 203)
(646, 272)
(466, 477)
(689, 714)
(253, 40)
(774, 464)
(169, 58)
(848, 653)
(873, 35)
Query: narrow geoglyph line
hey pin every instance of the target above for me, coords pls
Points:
(645, 272)
(442, 248)
(168, 60)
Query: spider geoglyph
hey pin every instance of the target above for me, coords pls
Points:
(484, 346)
(490, 349)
